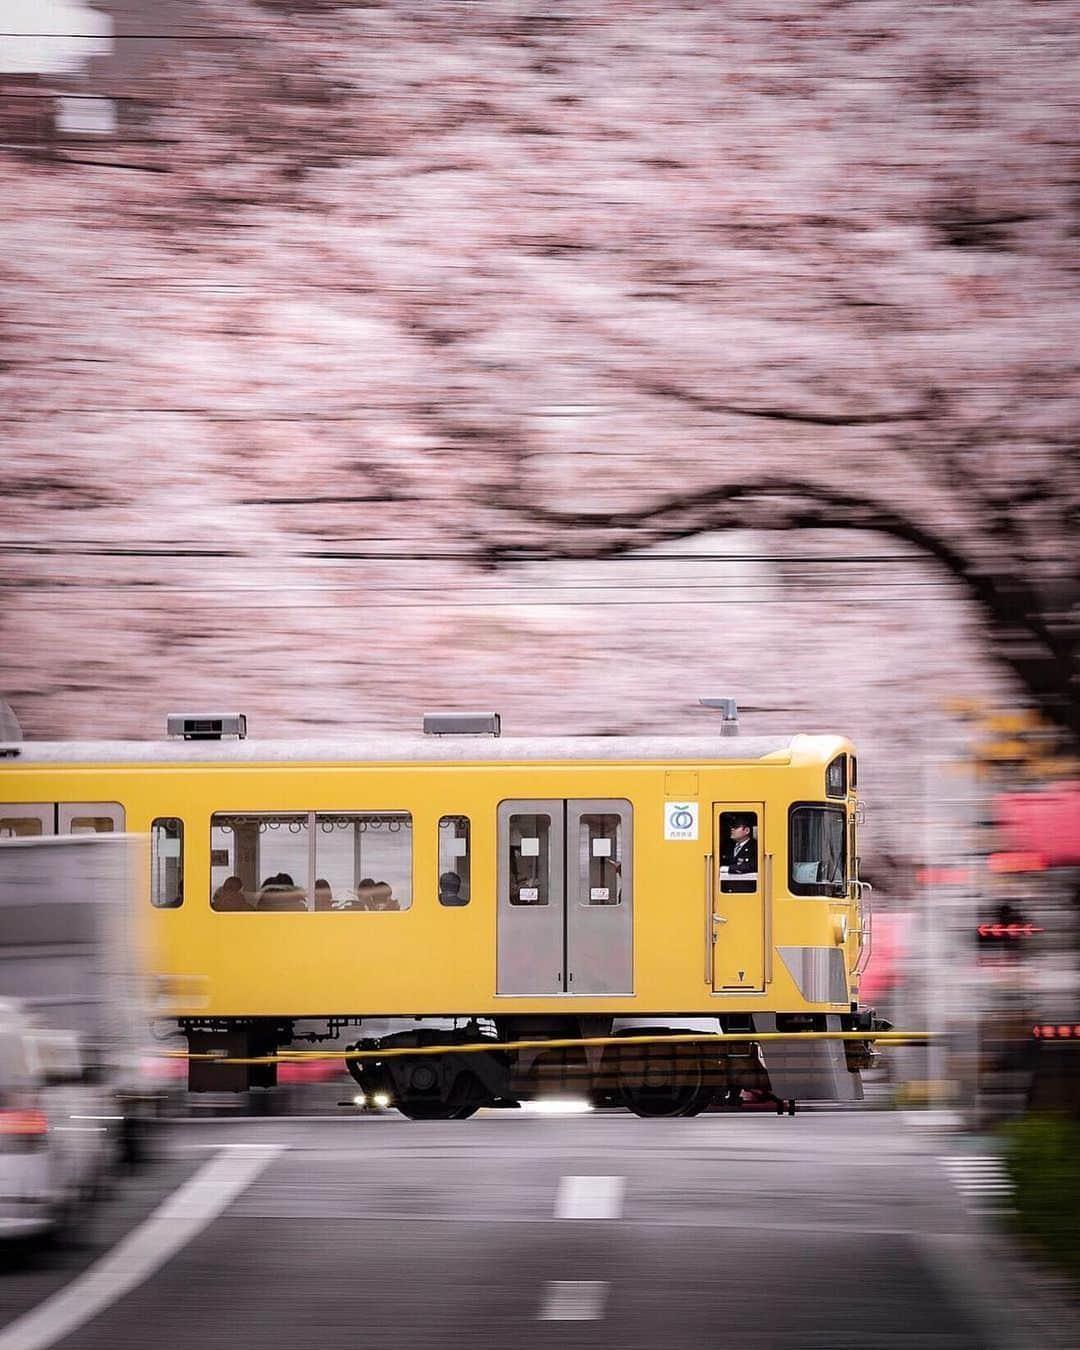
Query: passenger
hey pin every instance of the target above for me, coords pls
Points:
(450, 890)
(324, 896)
(382, 897)
(365, 888)
(280, 895)
(739, 855)
(229, 898)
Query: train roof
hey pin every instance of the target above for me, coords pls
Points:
(402, 749)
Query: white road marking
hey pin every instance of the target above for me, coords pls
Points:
(933, 1119)
(573, 1301)
(590, 1197)
(982, 1180)
(145, 1249)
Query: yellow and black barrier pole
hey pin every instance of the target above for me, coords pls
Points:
(582, 1042)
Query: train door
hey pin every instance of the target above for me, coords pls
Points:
(599, 898)
(739, 917)
(565, 911)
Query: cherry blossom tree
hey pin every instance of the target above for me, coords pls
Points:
(467, 285)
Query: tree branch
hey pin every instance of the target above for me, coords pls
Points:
(1044, 660)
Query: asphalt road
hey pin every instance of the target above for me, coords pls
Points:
(515, 1231)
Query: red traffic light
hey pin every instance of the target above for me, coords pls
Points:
(1008, 930)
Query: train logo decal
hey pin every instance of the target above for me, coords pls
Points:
(680, 820)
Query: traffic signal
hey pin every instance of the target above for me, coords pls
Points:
(1007, 929)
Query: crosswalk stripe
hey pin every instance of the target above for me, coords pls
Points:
(982, 1180)
(573, 1301)
(589, 1197)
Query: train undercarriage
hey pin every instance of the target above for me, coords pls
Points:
(647, 1066)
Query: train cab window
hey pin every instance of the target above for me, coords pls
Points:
(738, 852)
(530, 867)
(167, 863)
(836, 777)
(454, 861)
(600, 858)
(817, 851)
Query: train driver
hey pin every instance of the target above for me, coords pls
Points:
(739, 857)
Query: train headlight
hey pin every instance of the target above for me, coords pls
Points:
(359, 1100)
(381, 1100)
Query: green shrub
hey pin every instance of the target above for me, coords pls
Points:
(1043, 1157)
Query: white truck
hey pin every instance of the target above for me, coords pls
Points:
(73, 1020)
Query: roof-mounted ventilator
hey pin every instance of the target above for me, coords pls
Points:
(462, 724)
(206, 726)
(729, 713)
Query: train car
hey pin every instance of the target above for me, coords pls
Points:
(459, 888)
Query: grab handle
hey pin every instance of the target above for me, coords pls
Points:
(709, 931)
(767, 901)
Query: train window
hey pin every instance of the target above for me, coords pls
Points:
(816, 850)
(91, 825)
(454, 861)
(21, 827)
(738, 852)
(260, 862)
(600, 858)
(363, 861)
(167, 863)
(529, 872)
(836, 777)
(291, 861)
(89, 817)
(854, 773)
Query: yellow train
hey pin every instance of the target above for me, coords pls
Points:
(457, 887)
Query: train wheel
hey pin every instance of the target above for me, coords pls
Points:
(703, 1099)
(662, 1085)
(649, 1103)
(420, 1109)
(465, 1099)
(469, 1094)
